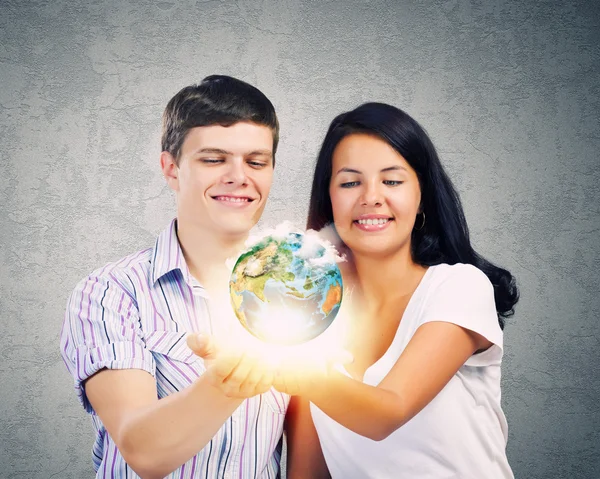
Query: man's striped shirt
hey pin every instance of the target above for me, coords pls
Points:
(135, 314)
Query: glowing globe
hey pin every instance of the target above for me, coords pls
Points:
(286, 288)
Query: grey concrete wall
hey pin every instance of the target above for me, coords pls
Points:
(508, 89)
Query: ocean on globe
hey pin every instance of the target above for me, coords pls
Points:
(286, 288)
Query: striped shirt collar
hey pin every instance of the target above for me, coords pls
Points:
(167, 255)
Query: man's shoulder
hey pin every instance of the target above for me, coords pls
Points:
(140, 259)
(126, 270)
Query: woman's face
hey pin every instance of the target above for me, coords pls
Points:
(375, 196)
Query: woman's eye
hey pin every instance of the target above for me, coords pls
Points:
(349, 184)
(392, 182)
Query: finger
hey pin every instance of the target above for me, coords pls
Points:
(258, 381)
(293, 384)
(289, 383)
(202, 345)
(266, 381)
(248, 387)
(223, 367)
(279, 384)
(239, 374)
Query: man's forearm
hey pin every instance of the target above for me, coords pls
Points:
(159, 438)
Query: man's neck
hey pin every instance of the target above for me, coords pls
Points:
(206, 254)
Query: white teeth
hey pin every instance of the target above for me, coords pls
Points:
(232, 200)
(378, 221)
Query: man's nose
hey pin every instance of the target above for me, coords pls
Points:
(236, 173)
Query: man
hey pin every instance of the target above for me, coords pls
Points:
(158, 409)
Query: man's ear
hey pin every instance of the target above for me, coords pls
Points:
(170, 170)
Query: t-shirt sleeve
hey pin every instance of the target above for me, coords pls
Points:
(101, 330)
(465, 297)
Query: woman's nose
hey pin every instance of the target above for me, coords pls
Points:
(371, 196)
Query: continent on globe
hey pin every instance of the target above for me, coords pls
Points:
(334, 297)
(286, 288)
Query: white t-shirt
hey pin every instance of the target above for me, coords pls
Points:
(462, 432)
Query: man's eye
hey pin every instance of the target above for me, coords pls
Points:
(392, 182)
(349, 184)
(211, 160)
(257, 164)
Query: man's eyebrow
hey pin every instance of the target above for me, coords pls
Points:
(219, 151)
(261, 152)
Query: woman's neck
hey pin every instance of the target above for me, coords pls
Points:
(382, 280)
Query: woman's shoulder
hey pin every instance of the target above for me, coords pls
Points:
(460, 275)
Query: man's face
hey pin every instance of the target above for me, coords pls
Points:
(223, 178)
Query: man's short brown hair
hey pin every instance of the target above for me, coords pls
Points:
(216, 100)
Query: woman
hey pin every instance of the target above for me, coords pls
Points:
(422, 397)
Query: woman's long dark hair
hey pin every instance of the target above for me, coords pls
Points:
(444, 238)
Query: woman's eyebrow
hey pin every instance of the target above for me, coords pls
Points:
(389, 168)
(347, 170)
(394, 168)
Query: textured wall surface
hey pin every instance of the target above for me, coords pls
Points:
(509, 91)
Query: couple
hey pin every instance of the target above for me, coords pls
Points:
(421, 398)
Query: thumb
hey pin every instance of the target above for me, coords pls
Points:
(202, 345)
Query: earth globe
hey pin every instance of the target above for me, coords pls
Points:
(286, 288)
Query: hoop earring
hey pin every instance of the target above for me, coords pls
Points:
(423, 223)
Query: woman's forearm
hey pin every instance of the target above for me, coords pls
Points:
(370, 411)
(305, 457)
